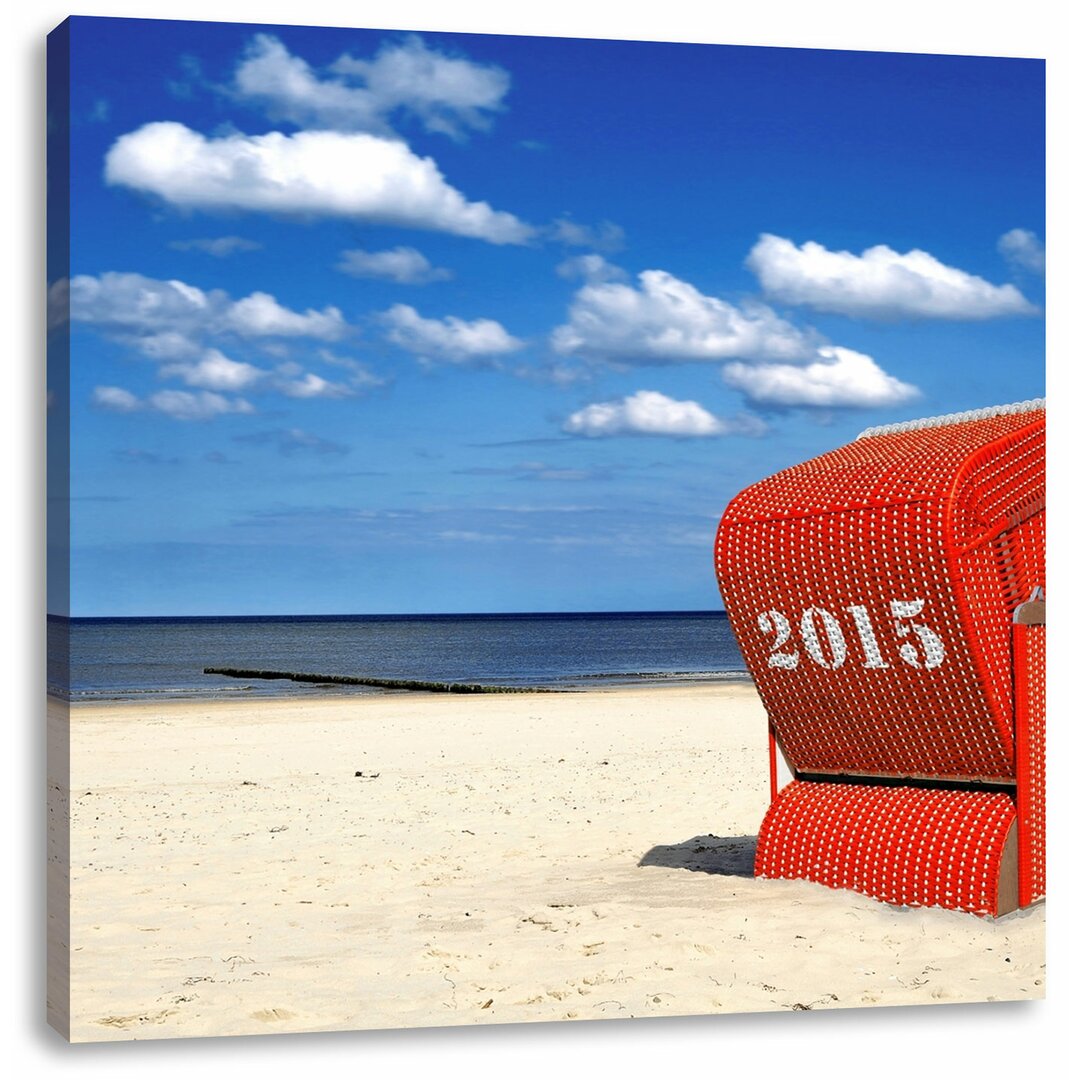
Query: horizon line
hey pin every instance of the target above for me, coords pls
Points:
(387, 615)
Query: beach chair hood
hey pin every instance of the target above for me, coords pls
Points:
(872, 589)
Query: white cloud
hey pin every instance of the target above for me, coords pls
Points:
(288, 89)
(218, 246)
(450, 339)
(446, 94)
(361, 376)
(143, 305)
(57, 304)
(839, 378)
(313, 386)
(204, 405)
(667, 321)
(178, 404)
(311, 173)
(607, 236)
(215, 371)
(165, 320)
(878, 284)
(1024, 250)
(166, 345)
(591, 268)
(260, 315)
(115, 399)
(651, 413)
(405, 265)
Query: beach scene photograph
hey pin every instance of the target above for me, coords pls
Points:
(399, 384)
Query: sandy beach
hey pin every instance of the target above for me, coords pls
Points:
(410, 860)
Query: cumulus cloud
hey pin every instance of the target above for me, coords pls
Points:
(204, 405)
(58, 304)
(361, 376)
(839, 378)
(404, 265)
(215, 371)
(358, 176)
(667, 321)
(165, 320)
(313, 386)
(177, 404)
(164, 345)
(144, 305)
(651, 413)
(115, 399)
(446, 94)
(218, 246)
(878, 284)
(260, 315)
(591, 268)
(449, 339)
(1023, 250)
(607, 236)
(170, 321)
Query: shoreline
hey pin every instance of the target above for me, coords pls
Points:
(396, 860)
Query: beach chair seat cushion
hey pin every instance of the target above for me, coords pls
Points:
(902, 845)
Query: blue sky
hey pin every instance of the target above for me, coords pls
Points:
(377, 322)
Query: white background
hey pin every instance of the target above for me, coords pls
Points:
(1004, 1040)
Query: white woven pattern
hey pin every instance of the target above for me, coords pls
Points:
(955, 418)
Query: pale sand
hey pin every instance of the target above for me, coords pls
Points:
(524, 857)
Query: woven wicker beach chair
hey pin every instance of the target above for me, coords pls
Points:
(888, 600)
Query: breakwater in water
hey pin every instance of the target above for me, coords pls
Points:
(384, 684)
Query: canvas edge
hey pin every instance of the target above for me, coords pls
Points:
(58, 521)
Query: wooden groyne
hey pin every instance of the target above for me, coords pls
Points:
(386, 684)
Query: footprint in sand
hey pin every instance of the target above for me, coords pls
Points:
(124, 1022)
(270, 1016)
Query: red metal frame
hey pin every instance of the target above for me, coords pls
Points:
(1030, 650)
(772, 765)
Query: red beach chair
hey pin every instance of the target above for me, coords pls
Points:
(888, 599)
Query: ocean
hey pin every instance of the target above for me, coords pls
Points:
(118, 659)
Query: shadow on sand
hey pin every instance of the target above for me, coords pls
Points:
(732, 856)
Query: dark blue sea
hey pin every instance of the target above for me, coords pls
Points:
(114, 659)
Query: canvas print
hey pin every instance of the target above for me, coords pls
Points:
(539, 529)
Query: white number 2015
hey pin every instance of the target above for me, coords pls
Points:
(776, 624)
